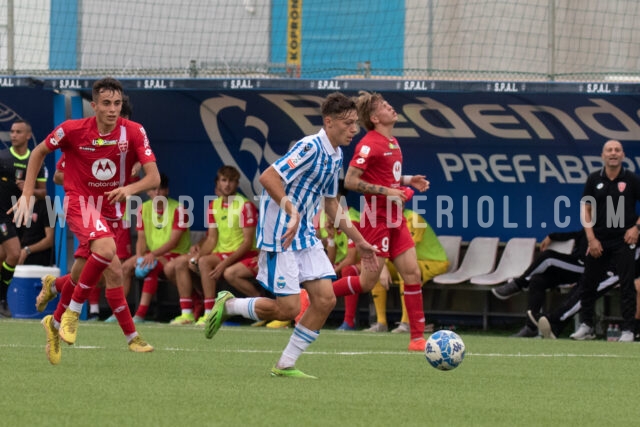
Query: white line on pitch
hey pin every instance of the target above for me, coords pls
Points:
(346, 353)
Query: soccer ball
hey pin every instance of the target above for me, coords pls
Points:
(445, 350)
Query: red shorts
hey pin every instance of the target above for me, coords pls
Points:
(87, 224)
(171, 255)
(390, 241)
(123, 240)
(122, 236)
(249, 260)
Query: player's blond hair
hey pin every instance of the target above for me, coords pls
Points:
(367, 102)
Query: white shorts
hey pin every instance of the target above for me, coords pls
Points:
(281, 273)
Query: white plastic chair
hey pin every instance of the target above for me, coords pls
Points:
(480, 258)
(451, 245)
(516, 258)
(563, 247)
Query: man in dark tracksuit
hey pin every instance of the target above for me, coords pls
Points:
(547, 271)
(552, 324)
(608, 212)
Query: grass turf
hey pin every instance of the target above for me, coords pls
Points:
(365, 379)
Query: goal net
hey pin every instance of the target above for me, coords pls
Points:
(437, 39)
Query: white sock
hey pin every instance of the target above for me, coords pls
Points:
(76, 306)
(94, 308)
(298, 343)
(244, 307)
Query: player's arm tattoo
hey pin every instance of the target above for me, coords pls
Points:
(365, 187)
(354, 182)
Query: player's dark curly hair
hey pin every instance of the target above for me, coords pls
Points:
(127, 108)
(106, 84)
(337, 105)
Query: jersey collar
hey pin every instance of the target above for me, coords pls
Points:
(603, 173)
(325, 142)
(18, 156)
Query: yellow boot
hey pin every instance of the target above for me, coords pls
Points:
(277, 324)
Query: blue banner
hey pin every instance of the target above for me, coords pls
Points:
(500, 164)
(31, 104)
(503, 160)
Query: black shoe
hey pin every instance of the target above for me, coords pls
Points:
(4, 309)
(526, 332)
(507, 290)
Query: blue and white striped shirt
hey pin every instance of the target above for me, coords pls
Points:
(310, 170)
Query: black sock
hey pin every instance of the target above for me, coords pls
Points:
(6, 274)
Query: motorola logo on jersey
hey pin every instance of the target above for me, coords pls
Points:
(103, 169)
(397, 170)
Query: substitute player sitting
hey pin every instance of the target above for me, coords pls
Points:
(228, 252)
(163, 234)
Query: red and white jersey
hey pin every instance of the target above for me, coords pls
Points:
(380, 159)
(60, 164)
(95, 164)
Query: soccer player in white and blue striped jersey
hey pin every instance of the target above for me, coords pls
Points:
(290, 253)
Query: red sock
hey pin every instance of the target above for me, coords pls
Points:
(304, 304)
(350, 270)
(415, 310)
(350, 308)
(209, 303)
(118, 303)
(94, 295)
(186, 304)
(149, 286)
(142, 310)
(197, 305)
(60, 281)
(150, 283)
(89, 277)
(347, 286)
(65, 296)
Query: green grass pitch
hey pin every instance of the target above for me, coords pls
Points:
(365, 379)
